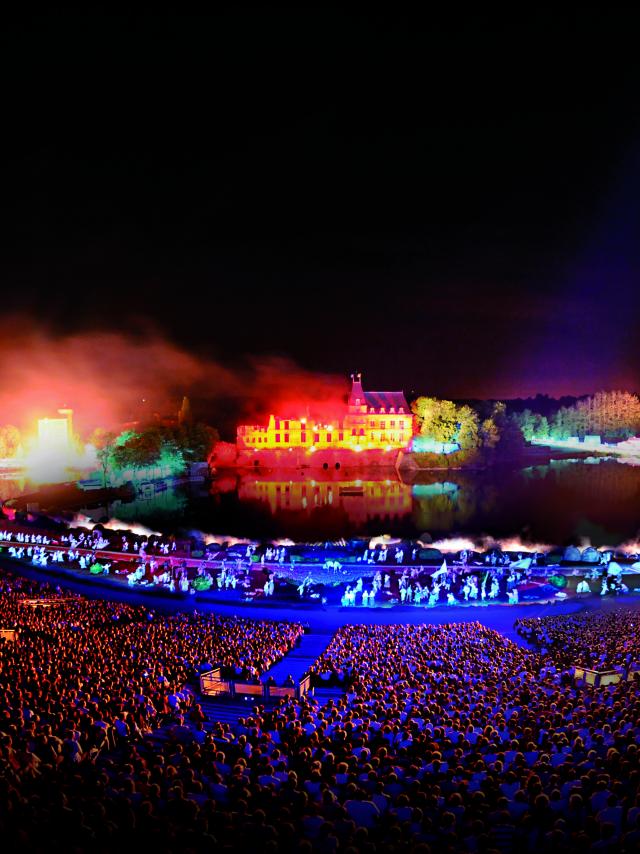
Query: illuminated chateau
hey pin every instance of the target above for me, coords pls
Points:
(371, 421)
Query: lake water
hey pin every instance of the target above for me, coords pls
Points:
(556, 503)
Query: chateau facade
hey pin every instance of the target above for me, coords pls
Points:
(372, 420)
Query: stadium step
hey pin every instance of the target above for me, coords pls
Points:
(324, 694)
(227, 711)
(299, 660)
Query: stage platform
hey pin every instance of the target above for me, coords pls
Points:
(500, 617)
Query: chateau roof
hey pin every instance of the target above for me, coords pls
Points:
(376, 399)
(386, 400)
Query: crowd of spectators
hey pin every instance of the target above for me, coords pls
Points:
(454, 737)
(425, 738)
(598, 640)
(83, 685)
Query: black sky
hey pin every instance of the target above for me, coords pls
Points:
(450, 206)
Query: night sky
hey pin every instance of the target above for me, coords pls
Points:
(448, 206)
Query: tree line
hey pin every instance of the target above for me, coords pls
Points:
(490, 430)
(612, 415)
(171, 449)
(474, 432)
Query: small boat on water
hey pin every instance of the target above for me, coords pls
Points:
(351, 491)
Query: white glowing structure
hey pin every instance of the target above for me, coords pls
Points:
(56, 450)
(55, 434)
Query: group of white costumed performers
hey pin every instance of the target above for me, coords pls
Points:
(449, 583)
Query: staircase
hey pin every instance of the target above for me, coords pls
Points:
(227, 711)
(295, 663)
(299, 660)
(324, 694)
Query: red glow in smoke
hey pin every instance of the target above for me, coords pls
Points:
(104, 376)
(292, 392)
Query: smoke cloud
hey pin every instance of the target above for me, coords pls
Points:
(109, 378)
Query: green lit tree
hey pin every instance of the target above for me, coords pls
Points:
(468, 436)
(195, 441)
(489, 433)
(104, 442)
(436, 419)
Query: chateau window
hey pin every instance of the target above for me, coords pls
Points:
(303, 437)
(286, 437)
(372, 423)
(316, 437)
(392, 423)
(340, 437)
(286, 425)
(357, 401)
(329, 436)
(277, 437)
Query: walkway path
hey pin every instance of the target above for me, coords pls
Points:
(299, 660)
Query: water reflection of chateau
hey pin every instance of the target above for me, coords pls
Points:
(361, 500)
